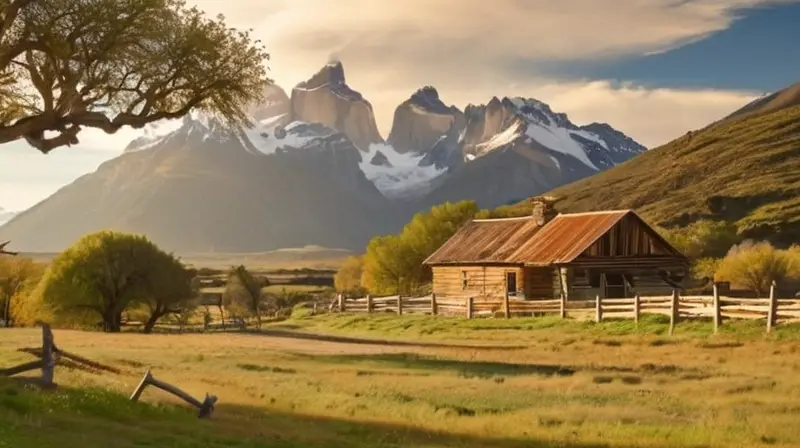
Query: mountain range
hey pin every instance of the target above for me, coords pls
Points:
(315, 170)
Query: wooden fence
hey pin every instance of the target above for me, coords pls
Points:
(715, 307)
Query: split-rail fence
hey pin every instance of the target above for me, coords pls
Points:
(677, 306)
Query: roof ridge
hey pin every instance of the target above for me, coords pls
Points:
(517, 218)
(598, 212)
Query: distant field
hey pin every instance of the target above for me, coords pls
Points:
(482, 383)
(313, 257)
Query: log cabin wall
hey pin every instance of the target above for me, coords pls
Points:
(475, 281)
(629, 237)
(541, 283)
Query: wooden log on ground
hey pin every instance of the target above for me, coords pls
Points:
(206, 407)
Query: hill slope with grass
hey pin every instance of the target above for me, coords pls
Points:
(743, 169)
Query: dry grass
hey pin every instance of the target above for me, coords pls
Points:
(533, 385)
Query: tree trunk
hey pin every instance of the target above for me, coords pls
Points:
(112, 321)
(222, 317)
(155, 314)
(151, 322)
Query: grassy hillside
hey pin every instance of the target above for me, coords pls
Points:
(745, 169)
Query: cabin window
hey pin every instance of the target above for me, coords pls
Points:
(511, 283)
(463, 280)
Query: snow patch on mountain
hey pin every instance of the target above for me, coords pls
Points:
(398, 175)
(501, 139)
(558, 139)
(554, 131)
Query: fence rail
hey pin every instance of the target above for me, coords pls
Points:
(719, 308)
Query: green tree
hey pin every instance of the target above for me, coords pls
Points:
(169, 289)
(348, 277)
(243, 293)
(755, 266)
(393, 264)
(99, 277)
(106, 64)
(17, 277)
(703, 238)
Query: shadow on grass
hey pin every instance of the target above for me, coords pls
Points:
(318, 431)
(86, 417)
(480, 369)
(289, 334)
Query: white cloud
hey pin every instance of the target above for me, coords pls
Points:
(469, 49)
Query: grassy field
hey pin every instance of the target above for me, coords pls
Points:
(421, 382)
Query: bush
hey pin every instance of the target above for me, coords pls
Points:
(754, 266)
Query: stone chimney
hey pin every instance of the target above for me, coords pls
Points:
(543, 209)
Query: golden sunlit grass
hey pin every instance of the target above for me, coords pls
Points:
(495, 383)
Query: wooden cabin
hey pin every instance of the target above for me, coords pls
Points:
(614, 254)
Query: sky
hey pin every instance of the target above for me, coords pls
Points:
(653, 69)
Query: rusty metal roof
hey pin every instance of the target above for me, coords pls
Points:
(485, 241)
(522, 241)
(566, 237)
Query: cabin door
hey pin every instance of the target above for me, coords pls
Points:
(615, 286)
(511, 283)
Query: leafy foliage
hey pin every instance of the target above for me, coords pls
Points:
(755, 266)
(104, 274)
(393, 264)
(348, 278)
(704, 238)
(243, 295)
(18, 276)
(69, 64)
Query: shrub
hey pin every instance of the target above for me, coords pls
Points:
(754, 266)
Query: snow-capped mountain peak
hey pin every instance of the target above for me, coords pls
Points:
(503, 123)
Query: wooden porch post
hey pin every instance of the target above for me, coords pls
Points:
(563, 311)
(506, 309)
(470, 301)
(637, 308)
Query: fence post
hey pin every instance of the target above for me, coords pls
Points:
(717, 309)
(341, 303)
(48, 356)
(370, 306)
(506, 308)
(637, 308)
(433, 304)
(563, 312)
(598, 312)
(674, 311)
(773, 308)
(399, 305)
(469, 307)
